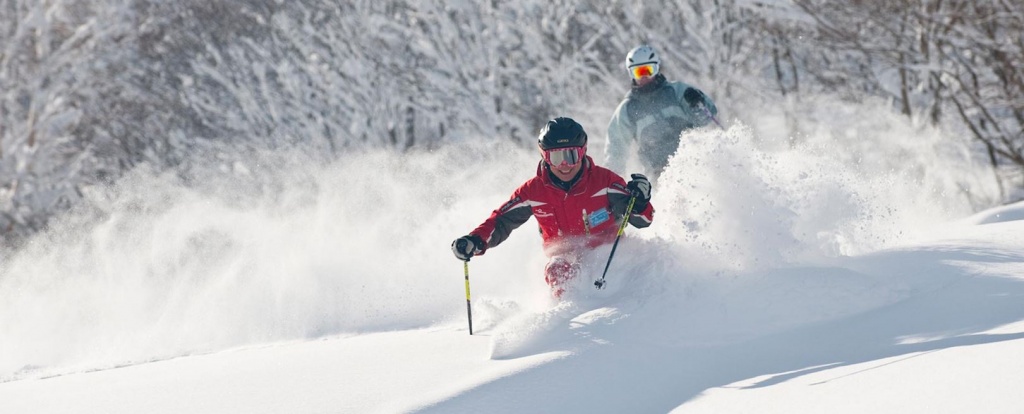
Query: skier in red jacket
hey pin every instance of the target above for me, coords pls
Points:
(578, 205)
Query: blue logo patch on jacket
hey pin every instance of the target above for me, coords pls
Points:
(600, 216)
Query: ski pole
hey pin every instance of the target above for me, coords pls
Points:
(469, 308)
(622, 229)
(716, 120)
(708, 113)
(696, 98)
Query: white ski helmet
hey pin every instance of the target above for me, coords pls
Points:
(641, 55)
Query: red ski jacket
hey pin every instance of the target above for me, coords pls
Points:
(587, 215)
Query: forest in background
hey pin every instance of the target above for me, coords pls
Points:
(93, 89)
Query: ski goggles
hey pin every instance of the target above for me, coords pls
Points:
(569, 156)
(644, 70)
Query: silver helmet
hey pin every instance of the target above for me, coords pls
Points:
(642, 54)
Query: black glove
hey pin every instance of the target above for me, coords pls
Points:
(639, 187)
(466, 246)
(693, 97)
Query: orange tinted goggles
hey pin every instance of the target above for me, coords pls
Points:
(645, 70)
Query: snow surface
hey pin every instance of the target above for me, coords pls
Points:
(776, 279)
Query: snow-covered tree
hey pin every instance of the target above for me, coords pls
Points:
(91, 89)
